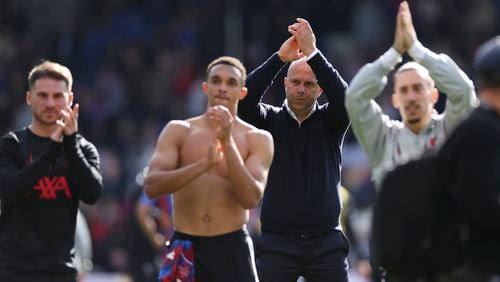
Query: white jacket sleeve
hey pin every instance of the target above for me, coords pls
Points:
(368, 122)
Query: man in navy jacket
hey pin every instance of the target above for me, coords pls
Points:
(301, 234)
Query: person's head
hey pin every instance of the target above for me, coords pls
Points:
(301, 87)
(414, 95)
(487, 64)
(225, 82)
(49, 91)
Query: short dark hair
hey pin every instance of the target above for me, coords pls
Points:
(51, 70)
(231, 61)
(487, 63)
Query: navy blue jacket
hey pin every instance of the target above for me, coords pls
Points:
(301, 195)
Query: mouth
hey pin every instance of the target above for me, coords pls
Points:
(412, 107)
(221, 97)
(50, 113)
(300, 101)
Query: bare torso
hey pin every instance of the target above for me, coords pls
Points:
(207, 205)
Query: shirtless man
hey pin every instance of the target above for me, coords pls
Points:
(216, 167)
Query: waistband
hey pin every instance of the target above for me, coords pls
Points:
(311, 230)
(238, 234)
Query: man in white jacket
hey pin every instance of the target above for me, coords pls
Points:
(387, 142)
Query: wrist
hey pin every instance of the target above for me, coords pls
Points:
(312, 54)
(282, 57)
(226, 142)
(399, 49)
(308, 51)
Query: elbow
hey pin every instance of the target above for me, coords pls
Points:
(253, 201)
(149, 189)
(151, 195)
(96, 193)
(249, 204)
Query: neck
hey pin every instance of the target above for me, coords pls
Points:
(41, 130)
(301, 116)
(417, 126)
(492, 100)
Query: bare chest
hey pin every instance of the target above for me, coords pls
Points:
(197, 144)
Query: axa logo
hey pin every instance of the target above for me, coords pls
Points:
(50, 188)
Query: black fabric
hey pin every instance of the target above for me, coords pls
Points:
(301, 194)
(223, 258)
(40, 193)
(415, 230)
(470, 165)
(320, 258)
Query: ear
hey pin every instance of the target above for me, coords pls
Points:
(243, 93)
(285, 81)
(434, 95)
(28, 98)
(395, 100)
(320, 92)
(204, 87)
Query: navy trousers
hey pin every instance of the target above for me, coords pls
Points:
(286, 257)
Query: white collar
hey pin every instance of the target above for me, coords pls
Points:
(314, 108)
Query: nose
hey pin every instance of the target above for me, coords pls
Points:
(412, 95)
(223, 87)
(50, 102)
(301, 88)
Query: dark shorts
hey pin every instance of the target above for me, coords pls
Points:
(228, 257)
(318, 258)
(22, 276)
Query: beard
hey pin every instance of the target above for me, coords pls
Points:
(39, 117)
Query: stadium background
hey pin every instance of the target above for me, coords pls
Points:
(138, 64)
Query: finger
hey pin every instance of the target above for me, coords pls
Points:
(70, 111)
(302, 20)
(293, 32)
(76, 110)
(60, 123)
(65, 114)
(405, 6)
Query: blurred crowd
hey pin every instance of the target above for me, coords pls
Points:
(139, 64)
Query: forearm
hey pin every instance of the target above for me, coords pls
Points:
(89, 179)
(16, 183)
(160, 182)
(367, 119)
(371, 79)
(257, 83)
(148, 226)
(329, 78)
(260, 79)
(334, 87)
(246, 188)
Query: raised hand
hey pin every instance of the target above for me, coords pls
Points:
(69, 119)
(221, 116)
(304, 35)
(215, 153)
(408, 30)
(57, 134)
(399, 42)
(289, 50)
